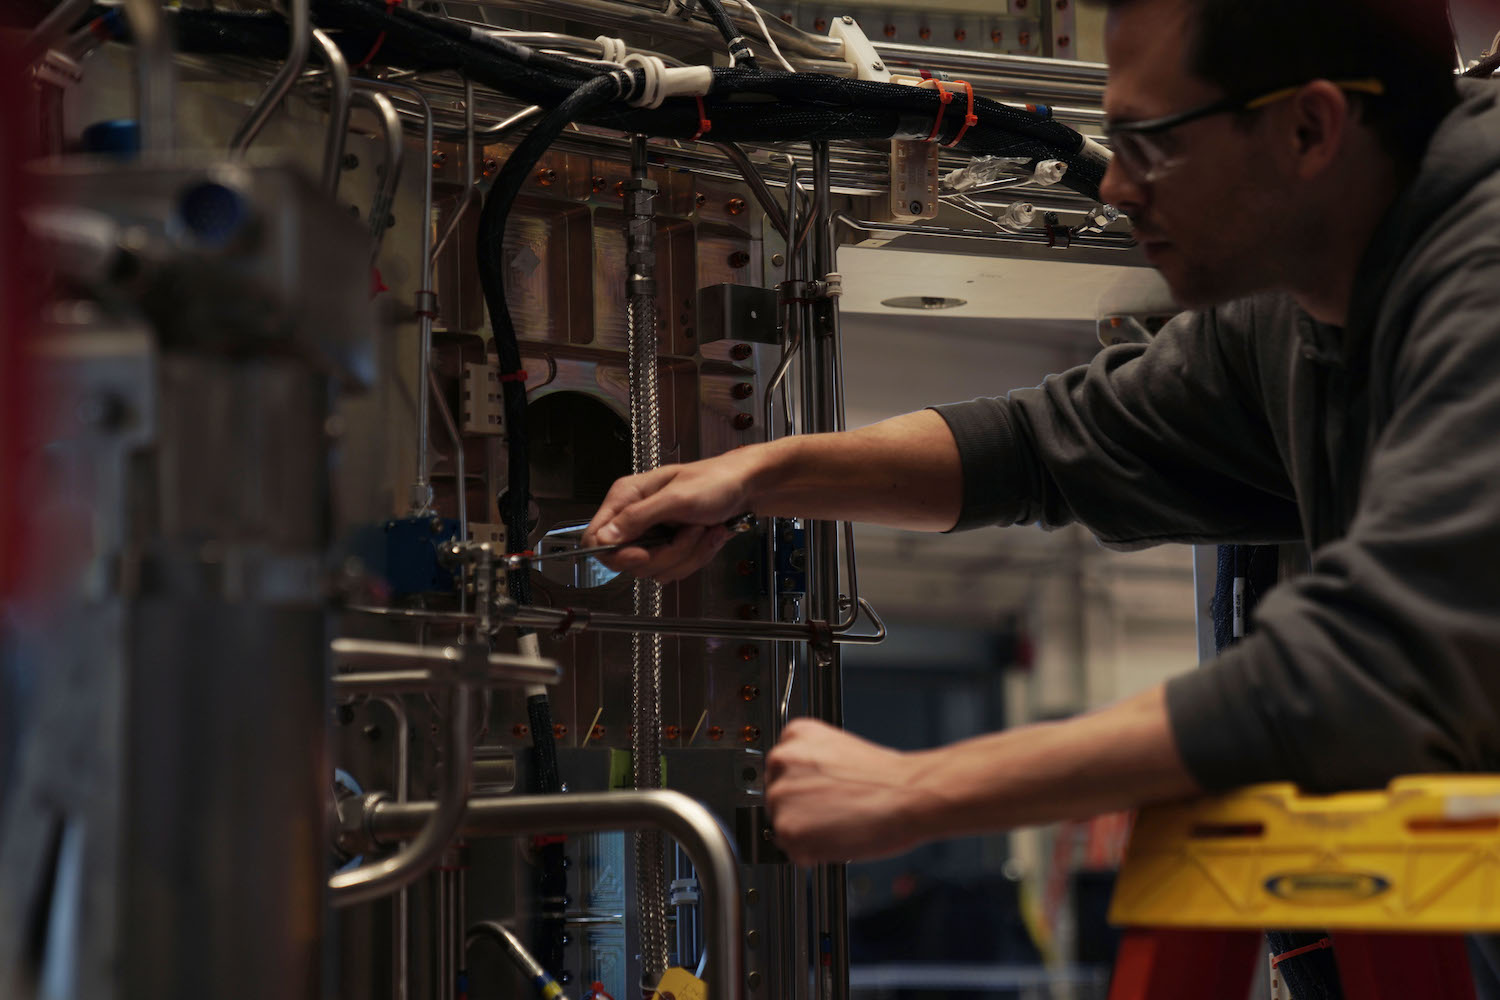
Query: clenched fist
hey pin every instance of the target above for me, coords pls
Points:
(836, 797)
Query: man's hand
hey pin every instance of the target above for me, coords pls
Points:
(696, 498)
(835, 797)
(904, 472)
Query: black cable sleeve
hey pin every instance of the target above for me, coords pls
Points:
(545, 774)
(743, 105)
(739, 48)
(489, 252)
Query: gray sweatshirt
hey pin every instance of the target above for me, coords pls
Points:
(1378, 444)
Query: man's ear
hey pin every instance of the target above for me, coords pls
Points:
(1320, 117)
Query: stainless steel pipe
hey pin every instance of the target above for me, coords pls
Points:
(155, 76)
(339, 93)
(682, 818)
(426, 298)
(385, 659)
(395, 151)
(300, 24)
(380, 878)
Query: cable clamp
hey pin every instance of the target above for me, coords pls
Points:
(614, 49)
(653, 90)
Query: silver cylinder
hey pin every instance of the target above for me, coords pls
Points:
(226, 759)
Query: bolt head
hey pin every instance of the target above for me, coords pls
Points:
(847, 19)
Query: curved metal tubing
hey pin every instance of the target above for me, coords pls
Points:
(385, 659)
(300, 22)
(525, 960)
(55, 27)
(680, 817)
(471, 194)
(155, 76)
(1103, 241)
(707, 628)
(426, 300)
(1037, 68)
(338, 111)
(439, 827)
(758, 186)
(395, 149)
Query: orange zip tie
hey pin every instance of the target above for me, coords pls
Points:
(1316, 945)
(704, 125)
(946, 98)
(970, 118)
(379, 41)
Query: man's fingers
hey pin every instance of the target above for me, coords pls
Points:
(660, 507)
(665, 558)
(708, 542)
(623, 495)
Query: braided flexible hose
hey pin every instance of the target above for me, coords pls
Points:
(645, 671)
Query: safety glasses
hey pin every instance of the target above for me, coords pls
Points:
(1143, 151)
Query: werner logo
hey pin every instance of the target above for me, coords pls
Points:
(1326, 888)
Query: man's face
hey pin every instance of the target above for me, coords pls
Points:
(1208, 221)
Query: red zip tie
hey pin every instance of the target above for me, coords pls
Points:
(1278, 959)
(379, 40)
(946, 98)
(704, 125)
(519, 376)
(970, 118)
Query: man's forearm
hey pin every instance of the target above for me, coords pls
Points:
(834, 796)
(903, 472)
(1116, 758)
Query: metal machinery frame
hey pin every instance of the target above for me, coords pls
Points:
(670, 303)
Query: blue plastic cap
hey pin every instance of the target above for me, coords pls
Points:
(213, 212)
(119, 138)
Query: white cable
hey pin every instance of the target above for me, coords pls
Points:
(771, 42)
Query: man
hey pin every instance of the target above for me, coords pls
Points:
(1340, 384)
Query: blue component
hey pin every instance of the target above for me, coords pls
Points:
(120, 138)
(114, 23)
(791, 559)
(214, 213)
(404, 553)
(411, 555)
(343, 781)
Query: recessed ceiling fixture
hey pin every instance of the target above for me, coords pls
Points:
(924, 302)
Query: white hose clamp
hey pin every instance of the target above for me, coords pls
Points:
(614, 49)
(653, 89)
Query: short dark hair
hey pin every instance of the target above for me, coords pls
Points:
(1252, 47)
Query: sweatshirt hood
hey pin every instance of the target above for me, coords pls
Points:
(1464, 150)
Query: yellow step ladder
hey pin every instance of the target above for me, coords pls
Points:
(1396, 875)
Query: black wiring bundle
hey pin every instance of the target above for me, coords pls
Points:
(744, 105)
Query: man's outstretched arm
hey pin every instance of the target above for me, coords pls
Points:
(835, 797)
(903, 472)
